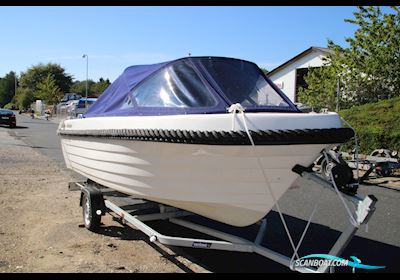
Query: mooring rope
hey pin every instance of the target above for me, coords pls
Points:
(238, 108)
(356, 146)
(234, 108)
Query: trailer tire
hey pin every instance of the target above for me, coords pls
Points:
(90, 219)
(385, 172)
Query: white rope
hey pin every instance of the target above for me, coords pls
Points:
(291, 263)
(234, 108)
(356, 145)
(238, 108)
(356, 156)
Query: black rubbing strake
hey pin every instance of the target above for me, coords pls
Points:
(260, 137)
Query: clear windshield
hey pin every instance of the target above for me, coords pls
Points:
(177, 85)
(241, 82)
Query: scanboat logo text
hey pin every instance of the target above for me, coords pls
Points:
(329, 260)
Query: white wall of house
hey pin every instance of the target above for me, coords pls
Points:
(285, 78)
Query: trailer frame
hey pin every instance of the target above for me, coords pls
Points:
(98, 201)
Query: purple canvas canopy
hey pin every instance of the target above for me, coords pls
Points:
(191, 85)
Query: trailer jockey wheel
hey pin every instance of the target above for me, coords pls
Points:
(343, 176)
(90, 218)
(326, 168)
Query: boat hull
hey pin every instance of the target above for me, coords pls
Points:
(220, 182)
(201, 163)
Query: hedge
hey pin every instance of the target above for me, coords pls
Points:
(377, 125)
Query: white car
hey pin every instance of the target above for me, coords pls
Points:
(79, 106)
(70, 108)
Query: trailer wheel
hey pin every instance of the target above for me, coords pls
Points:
(385, 172)
(90, 219)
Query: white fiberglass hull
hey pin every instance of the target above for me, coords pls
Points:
(221, 182)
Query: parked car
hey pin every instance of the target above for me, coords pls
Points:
(7, 117)
(61, 108)
(80, 109)
(70, 108)
(303, 107)
(385, 153)
(70, 96)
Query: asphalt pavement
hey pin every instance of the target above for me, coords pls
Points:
(375, 244)
(41, 134)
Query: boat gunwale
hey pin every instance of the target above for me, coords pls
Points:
(260, 137)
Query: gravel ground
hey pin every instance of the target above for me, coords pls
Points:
(41, 224)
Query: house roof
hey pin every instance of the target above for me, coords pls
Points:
(297, 57)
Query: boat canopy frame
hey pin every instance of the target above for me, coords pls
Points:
(191, 85)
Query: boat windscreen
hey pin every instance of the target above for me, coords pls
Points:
(242, 82)
(177, 85)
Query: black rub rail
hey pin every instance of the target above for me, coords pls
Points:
(260, 137)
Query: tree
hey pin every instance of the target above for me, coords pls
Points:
(264, 70)
(322, 88)
(7, 88)
(369, 68)
(372, 62)
(36, 74)
(24, 97)
(31, 83)
(48, 90)
(94, 88)
(99, 87)
(80, 87)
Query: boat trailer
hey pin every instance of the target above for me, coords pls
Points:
(382, 166)
(97, 200)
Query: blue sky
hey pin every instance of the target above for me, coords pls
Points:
(117, 37)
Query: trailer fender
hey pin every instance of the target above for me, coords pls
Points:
(96, 198)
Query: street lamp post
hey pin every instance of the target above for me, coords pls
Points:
(337, 93)
(87, 70)
(15, 83)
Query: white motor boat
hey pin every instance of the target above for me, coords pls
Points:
(210, 135)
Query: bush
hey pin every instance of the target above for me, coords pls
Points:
(11, 106)
(377, 125)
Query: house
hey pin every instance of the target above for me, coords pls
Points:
(289, 76)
